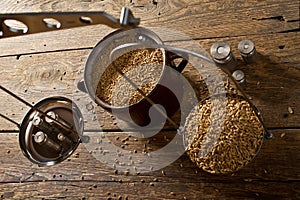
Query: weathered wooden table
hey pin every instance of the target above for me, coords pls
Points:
(48, 64)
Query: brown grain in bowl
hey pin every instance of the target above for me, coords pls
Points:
(143, 67)
(223, 142)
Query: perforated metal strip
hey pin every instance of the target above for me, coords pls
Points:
(28, 23)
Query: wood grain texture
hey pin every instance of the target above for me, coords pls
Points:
(270, 163)
(276, 166)
(197, 19)
(273, 82)
(116, 190)
(50, 64)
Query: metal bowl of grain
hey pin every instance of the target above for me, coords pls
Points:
(223, 133)
(131, 84)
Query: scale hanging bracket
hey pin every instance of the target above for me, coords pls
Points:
(28, 23)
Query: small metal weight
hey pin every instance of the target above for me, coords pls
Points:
(247, 50)
(239, 76)
(42, 139)
(222, 55)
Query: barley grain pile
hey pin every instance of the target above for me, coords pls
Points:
(142, 67)
(219, 146)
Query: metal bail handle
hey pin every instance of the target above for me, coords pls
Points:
(170, 55)
(173, 56)
(176, 51)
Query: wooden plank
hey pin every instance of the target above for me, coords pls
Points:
(273, 82)
(115, 190)
(274, 173)
(51, 64)
(278, 160)
(199, 20)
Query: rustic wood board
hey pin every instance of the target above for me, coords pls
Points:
(276, 166)
(199, 20)
(273, 83)
(138, 190)
(48, 64)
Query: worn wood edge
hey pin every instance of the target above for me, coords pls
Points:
(152, 190)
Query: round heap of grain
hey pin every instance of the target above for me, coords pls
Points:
(223, 139)
(131, 77)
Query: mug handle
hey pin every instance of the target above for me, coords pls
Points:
(81, 86)
(172, 56)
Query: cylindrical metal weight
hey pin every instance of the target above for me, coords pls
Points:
(41, 124)
(61, 137)
(239, 76)
(248, 51)
(58, 127)
(42, 139)
(222, 55)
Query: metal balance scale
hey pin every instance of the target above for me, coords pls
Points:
(53, 128)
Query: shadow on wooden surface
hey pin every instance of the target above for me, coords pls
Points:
(82, 175)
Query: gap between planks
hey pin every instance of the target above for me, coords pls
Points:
(166, 41)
